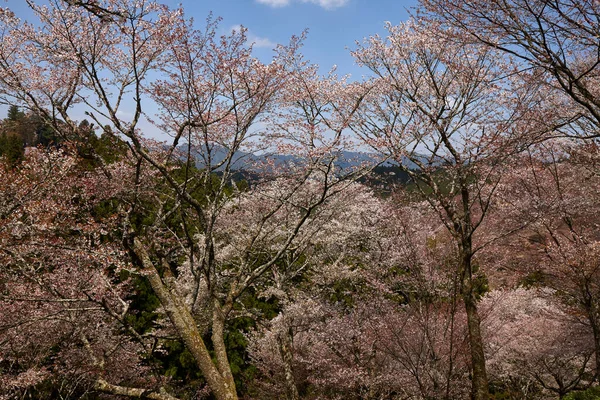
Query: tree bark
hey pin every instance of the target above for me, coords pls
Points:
(184, 323)
(593, 319)
(479, 389)
(218, 341)
(103, 386)
(284, 339)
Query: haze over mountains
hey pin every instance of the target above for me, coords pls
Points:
(247, 161)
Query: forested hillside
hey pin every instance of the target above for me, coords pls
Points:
(430, 231)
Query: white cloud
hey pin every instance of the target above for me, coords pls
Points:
(326, 4)
(274, 3)
(262, 42)
(256, 41)
(124, 114)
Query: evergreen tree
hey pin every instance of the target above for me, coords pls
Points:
(11, 148)
(14, 114)
(11, 140)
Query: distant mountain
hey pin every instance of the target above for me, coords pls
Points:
(249, 162)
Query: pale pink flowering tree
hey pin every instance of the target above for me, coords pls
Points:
(381, 316)
(445, 109)
(554, 42)
(555, 189)
(329, 253)
(119, 59)
(63, 301)
(532, 341)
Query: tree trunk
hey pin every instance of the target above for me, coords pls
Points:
(479, 390)
(480, 382)
(284, 339)
(218, 341)
(182, 320)
(593, 319)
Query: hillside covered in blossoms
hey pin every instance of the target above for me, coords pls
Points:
(181, 219)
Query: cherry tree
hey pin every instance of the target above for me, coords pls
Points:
(554, 41)
(554, 187)
(426, 337)
(329, 254)
(532, 340)
(119, 61)
(63, 300)
(384, 315)
(442, 110)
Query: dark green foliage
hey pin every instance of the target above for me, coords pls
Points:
(105, 209)
(32, 130)
(12, 138)
(14, 114)
(592, 393)
(24, 126)
(109, 146)
(94, 149)
(235, 338)
(45, 135)
(385, 178)
(236, 343)
(480, 281)
(342, 293)
(179, 364)
(143, 304)
(513, 389)
(534, 279)
(20, 130)
(12, 149)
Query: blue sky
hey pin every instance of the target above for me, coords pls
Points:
(333, 25)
